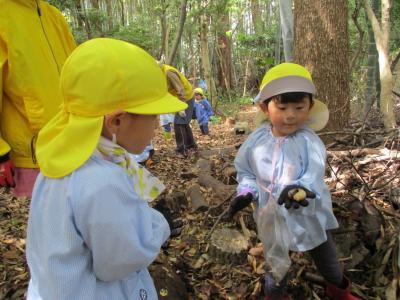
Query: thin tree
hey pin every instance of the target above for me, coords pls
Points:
(381, 33)
(177, 40)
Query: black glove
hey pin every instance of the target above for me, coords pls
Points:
(294, 196)
(240, 202)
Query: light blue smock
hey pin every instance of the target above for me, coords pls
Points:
(90, 236)
(299, 159)
(142, 157)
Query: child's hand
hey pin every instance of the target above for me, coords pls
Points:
(294, 196)
(182, 114)
(240, 202)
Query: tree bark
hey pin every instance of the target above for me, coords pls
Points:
(381, 33)
(205, 60)
(321, 45)
(256, 17)
(286, 15)
(178, 35)
(370, 92)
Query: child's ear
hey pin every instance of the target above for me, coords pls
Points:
(113, 121)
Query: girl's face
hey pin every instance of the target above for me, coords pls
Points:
(286, 118)
(133, 132)
(197, 97)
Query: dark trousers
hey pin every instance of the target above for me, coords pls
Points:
(204, 128)
(184, 138)
(325, 259)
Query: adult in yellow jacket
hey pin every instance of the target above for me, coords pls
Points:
(34, 43)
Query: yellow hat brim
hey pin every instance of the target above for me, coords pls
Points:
(164, 105)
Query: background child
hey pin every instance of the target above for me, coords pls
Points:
(180, 87)
(165, 121)
(283, 155)
(91, 232)
(203, 110)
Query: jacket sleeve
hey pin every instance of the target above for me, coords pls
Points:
(123, 233)
(245, 175)
(175, 83)
(4, 147)
(210, 111)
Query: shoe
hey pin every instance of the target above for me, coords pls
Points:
(181, 155)
(335, 293)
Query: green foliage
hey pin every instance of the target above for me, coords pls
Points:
(136, 34)
(215, 119)
(230, 108)
(395, 27)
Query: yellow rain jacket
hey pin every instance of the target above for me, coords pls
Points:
(34, 43)
(185, 95)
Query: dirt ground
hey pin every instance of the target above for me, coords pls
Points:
(362, 174)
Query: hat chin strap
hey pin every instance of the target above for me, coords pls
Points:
(114, 138)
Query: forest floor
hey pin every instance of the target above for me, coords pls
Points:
(362, 174)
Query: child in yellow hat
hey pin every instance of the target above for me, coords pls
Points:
(283, 162)
(202, 110)
(91, 233)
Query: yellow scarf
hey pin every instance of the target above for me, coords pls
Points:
(145, 184)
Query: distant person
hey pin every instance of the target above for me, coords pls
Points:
(91, 232)
(166, 121)
(181, 88)
(283, 163)
(34, 43)
(203, 110)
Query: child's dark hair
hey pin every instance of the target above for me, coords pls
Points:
(291, 97)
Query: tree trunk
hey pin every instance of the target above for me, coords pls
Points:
(82, 17)
(286, 15)
(163, 21)
(178, 35)
(370, 92)
(381, 33)
(205, 60)
(109, 14)
(322, 46)
(256, 17)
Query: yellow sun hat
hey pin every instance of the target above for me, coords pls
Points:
(290, 77)
(100, 77)
(199, 91)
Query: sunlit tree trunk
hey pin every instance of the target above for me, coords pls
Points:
(83, 20)
(178, 36)
(381, 33)
(286, 15)
(321, 44)
(205, 60)
(109, 14)
(256, 17)
(164, 29)
(224, 54)
(372, 68)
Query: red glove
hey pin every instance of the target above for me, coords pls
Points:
(6, 171)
